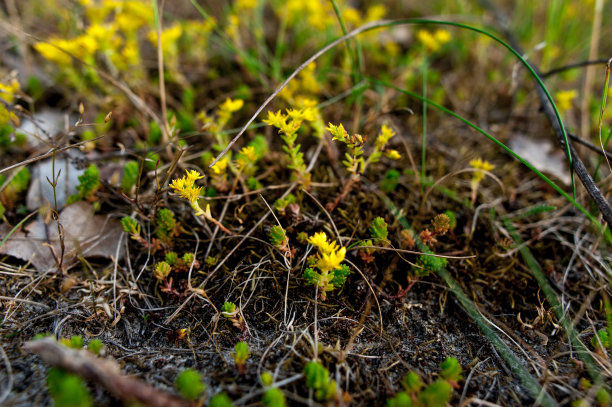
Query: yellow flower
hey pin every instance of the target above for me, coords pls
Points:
(386, 133)
(434, 41)
(375, 12)
(338, 132)
(277, 119)
(564, 99)
(246, 4)
(249, 153)
(231, 106)
(480, 164)
(169, 39)
(220, 167)
(331, 261)
(8, 91)
(52, 51)
(442, 36)
(318, 240)
(352, 16)
(193, 176)
(185, 186)
(393, 154)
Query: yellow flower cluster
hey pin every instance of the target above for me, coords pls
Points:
(482, 165)
(433, 42)
(227, 109)
(306, 83)
(186, 187)
(330, 255)
(169, 41)
(246, 156)
(386, 133)
(220, 167)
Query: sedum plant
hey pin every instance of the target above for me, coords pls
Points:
(436, 394)
(317, 378)
(327, 271)
(220, 400)
(288, 126)
(186, 188)
(231, 311)
(241, 354)
(279, 239)
(189, 384)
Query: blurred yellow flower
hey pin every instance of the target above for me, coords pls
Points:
(564, 99)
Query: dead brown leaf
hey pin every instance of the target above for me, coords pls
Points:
(85, 234)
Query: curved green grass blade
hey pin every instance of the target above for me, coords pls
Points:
(600, 228)
(551, 297)
(390, 23)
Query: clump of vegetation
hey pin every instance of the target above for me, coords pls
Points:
(435, 394)
(322, 164)
(317, 379)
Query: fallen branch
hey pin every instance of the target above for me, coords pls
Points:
(103, 371)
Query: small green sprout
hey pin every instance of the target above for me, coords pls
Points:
(95, 346)
(274, 397)
(241, 354)
(75, 342)
(278, 238)
(189, 384)
(390, 182)
(67, 390)
(412, 382)
(130, 175)
(231, 311)
(436, 394)
(378, 229)
(317, 378)
(253, 184)
(10, 194)
(162, 270)
(171, 258)
(281, 204)
(166, 224)
(450, 370)
(331, 273)
(266, 379)
(220, 400)
(428, 263)
(131, 226)
(89, 182)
